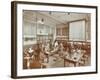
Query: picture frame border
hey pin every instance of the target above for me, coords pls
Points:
(14, 38)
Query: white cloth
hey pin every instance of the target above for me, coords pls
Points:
(30, 50)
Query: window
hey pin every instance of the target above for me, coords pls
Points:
(77, 30)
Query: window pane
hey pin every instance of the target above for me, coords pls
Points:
(77, 31)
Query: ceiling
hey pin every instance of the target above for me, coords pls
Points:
(53, 18)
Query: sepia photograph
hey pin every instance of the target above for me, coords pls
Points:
(56, 39)
(53, 39)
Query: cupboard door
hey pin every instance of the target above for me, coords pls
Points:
(58, 32)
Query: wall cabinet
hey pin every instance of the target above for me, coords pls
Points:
(62, 32)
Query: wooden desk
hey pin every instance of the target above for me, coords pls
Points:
(69, 61)
(74, 59)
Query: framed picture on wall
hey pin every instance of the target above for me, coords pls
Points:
(50, 39)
